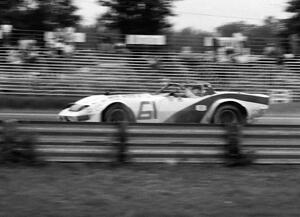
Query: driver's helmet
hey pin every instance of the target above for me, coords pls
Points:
(198, 91)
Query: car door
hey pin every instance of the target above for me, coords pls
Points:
(158, 109)
(168, 106)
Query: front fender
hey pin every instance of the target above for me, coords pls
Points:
(109, 104)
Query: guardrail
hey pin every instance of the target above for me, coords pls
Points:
(173, 143)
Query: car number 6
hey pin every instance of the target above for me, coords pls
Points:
(147, 111)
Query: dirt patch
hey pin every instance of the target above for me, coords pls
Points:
(149, 191)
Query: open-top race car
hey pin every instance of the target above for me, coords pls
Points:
(173, 103)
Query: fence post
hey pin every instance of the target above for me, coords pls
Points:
(16, 146)
(233, 153)
(121, 143)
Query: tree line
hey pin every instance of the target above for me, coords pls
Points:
(131, 17)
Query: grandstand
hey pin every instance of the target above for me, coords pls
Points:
(90, 71)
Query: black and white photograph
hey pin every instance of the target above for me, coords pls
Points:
(149, 108)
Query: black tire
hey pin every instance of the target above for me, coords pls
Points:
(228, 114)
(117, 113)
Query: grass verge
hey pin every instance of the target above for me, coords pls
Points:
(149, 191)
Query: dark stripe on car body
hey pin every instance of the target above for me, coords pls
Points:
(191, 115)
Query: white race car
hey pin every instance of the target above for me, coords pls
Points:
(174, 103)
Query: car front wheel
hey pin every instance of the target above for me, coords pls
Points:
(117, 113)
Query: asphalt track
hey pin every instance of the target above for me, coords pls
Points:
(32, 115)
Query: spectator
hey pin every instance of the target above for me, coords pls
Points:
(270, 50)
(30, 55)
(68, 49)
(6, 34)
(154, 63)
(276, 53)
(60, 43)
(14, 56)
(215, 46)
(230, 54)
(121, 48)
(28, 51)
(279, 57)
(189, 59)
(106, 44)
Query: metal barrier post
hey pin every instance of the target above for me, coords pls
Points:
(16, 146)
(234, 155)
(121, 143)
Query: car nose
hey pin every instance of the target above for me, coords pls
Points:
(67, 118)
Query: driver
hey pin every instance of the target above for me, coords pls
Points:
(197, 91)
(192, 92)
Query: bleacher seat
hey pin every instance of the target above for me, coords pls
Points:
(90, 72)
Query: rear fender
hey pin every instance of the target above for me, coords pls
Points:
(209, 114)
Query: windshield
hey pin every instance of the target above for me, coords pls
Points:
(171, 88)
(190, 90)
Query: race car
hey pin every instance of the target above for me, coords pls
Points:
(173, 103)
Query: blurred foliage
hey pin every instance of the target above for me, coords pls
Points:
(9, 10)
(187, 37)
(293, 23)
(269, 29)
(137, 16)
(228, 29)
(38, 14)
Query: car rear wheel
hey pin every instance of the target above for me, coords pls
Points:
(117, 113)
(228, 114)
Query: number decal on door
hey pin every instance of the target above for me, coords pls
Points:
(147, 111)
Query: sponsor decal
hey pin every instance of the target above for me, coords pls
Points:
(201, 108)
